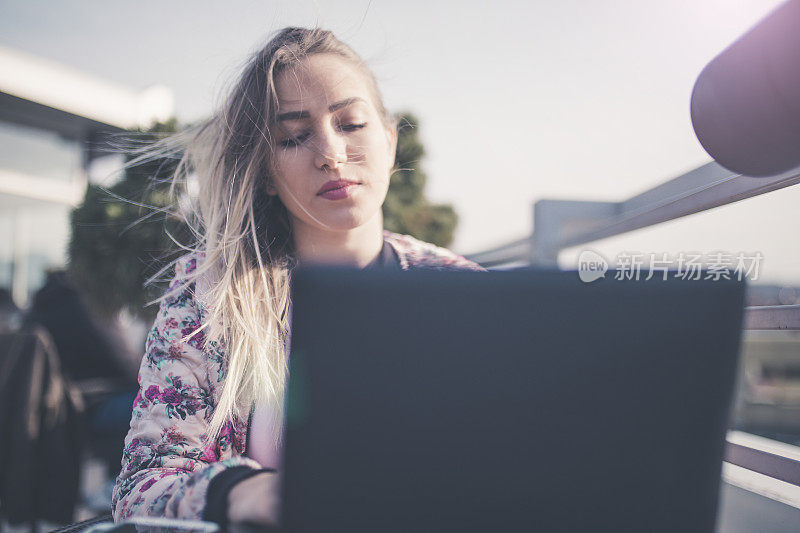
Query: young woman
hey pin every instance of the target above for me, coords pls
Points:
(293, 169)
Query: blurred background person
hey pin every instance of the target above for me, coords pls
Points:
(94, 359)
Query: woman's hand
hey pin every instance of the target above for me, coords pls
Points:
(256, 499)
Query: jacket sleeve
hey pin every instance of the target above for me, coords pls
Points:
(166, 467)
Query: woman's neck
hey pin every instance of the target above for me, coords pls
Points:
(357, 247)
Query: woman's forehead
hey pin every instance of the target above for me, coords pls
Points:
(319, 81)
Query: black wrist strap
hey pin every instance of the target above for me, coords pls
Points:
(216, 509)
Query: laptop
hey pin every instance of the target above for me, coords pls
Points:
(507, 401)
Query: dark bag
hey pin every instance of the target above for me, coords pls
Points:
(39, 431)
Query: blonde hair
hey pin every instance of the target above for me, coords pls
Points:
(245, 233)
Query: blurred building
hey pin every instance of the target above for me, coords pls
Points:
(768, 395)
(56, 128)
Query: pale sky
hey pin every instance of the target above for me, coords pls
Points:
(518, 101)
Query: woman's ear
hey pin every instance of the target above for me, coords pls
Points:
(270, 189)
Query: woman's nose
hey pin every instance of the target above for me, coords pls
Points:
(330, 149)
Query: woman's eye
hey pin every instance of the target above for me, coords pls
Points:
(290, 142)
(352, 127)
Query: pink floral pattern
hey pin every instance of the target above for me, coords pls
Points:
(178, 399)
(166, 467)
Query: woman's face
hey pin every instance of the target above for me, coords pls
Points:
(333, 154)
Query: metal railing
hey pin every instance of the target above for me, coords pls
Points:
(763, 466)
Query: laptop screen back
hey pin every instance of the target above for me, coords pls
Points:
(431, 401)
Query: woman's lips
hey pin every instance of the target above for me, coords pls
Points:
(336, 190)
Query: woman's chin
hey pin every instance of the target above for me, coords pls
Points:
(347, 222)
(343, 220)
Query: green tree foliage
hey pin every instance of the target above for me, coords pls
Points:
(119, 240)
(406, 210)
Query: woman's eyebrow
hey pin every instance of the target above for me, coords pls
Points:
(293, 115)
(297, 115)
(344, 103)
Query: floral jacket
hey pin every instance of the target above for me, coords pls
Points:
(166, 469)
